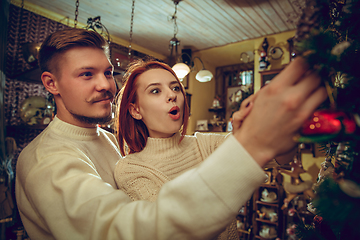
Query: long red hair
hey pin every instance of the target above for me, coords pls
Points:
(131, 133)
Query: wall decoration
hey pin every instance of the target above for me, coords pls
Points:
(202, 125)
(235, 96)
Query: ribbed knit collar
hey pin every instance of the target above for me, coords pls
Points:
(73, 131)
(162, 145)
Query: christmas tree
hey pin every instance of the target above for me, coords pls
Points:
(328, 38)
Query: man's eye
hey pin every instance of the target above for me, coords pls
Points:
(86, 74)
(108, 73)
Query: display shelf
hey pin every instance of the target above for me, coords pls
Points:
(244, 221)
(268, 218)
(266, 221)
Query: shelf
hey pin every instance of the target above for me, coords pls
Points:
(221, 109)
(244, 231)
(266, 221)
(275, 204)
(263, 208)
(258, 237)
(269, 186)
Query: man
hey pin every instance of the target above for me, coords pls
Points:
(64, 182)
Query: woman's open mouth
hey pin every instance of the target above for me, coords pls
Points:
(174, 113)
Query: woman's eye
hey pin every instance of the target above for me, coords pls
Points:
(176, 88)
(154, 91)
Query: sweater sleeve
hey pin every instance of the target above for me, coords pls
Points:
(208, 142)
(64, 198)
(139, 181)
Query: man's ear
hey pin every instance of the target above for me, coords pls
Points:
(49, 82)
(134, 111)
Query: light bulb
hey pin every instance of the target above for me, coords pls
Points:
(204, 76)
(181, 70)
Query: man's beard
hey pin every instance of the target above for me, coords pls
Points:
(93, 120)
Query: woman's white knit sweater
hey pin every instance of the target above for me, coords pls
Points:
(142, 174)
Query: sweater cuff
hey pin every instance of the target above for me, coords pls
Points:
(232, 166)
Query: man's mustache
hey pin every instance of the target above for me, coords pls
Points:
(102, 96)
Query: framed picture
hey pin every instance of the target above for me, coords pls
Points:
(185, 81)
(267, 76)
(202, 125)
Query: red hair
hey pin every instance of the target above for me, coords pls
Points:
(131, 133)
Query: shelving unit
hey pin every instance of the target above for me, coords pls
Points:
(244, 221)
(268, 218)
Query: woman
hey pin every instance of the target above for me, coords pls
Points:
(151, 122)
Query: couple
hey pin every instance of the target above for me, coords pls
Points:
(65, 183)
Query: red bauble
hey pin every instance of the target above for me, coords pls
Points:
(323, 228)
(327, 121)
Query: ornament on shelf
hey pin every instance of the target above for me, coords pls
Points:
(296, 185)
(263, 61)
(36, 110)
(327, 169)
(343, 158)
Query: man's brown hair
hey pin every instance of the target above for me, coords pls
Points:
(61, 41)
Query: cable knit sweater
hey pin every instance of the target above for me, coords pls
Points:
(142, 174)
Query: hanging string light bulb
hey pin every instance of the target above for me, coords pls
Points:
(181, 69)
(184, 61)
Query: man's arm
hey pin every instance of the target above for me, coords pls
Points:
(75, 203)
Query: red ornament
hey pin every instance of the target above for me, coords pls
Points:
(323, 228)
(328, 122)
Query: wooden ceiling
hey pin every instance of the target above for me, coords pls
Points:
(202, 24)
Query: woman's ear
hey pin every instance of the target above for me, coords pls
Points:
(134, 111)
(49, 82)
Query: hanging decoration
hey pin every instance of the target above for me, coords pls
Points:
(76, 13)
(263, 59)
(29, 49)
(184, 61)
(131, 28)
(174, 42)
(96, 25)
